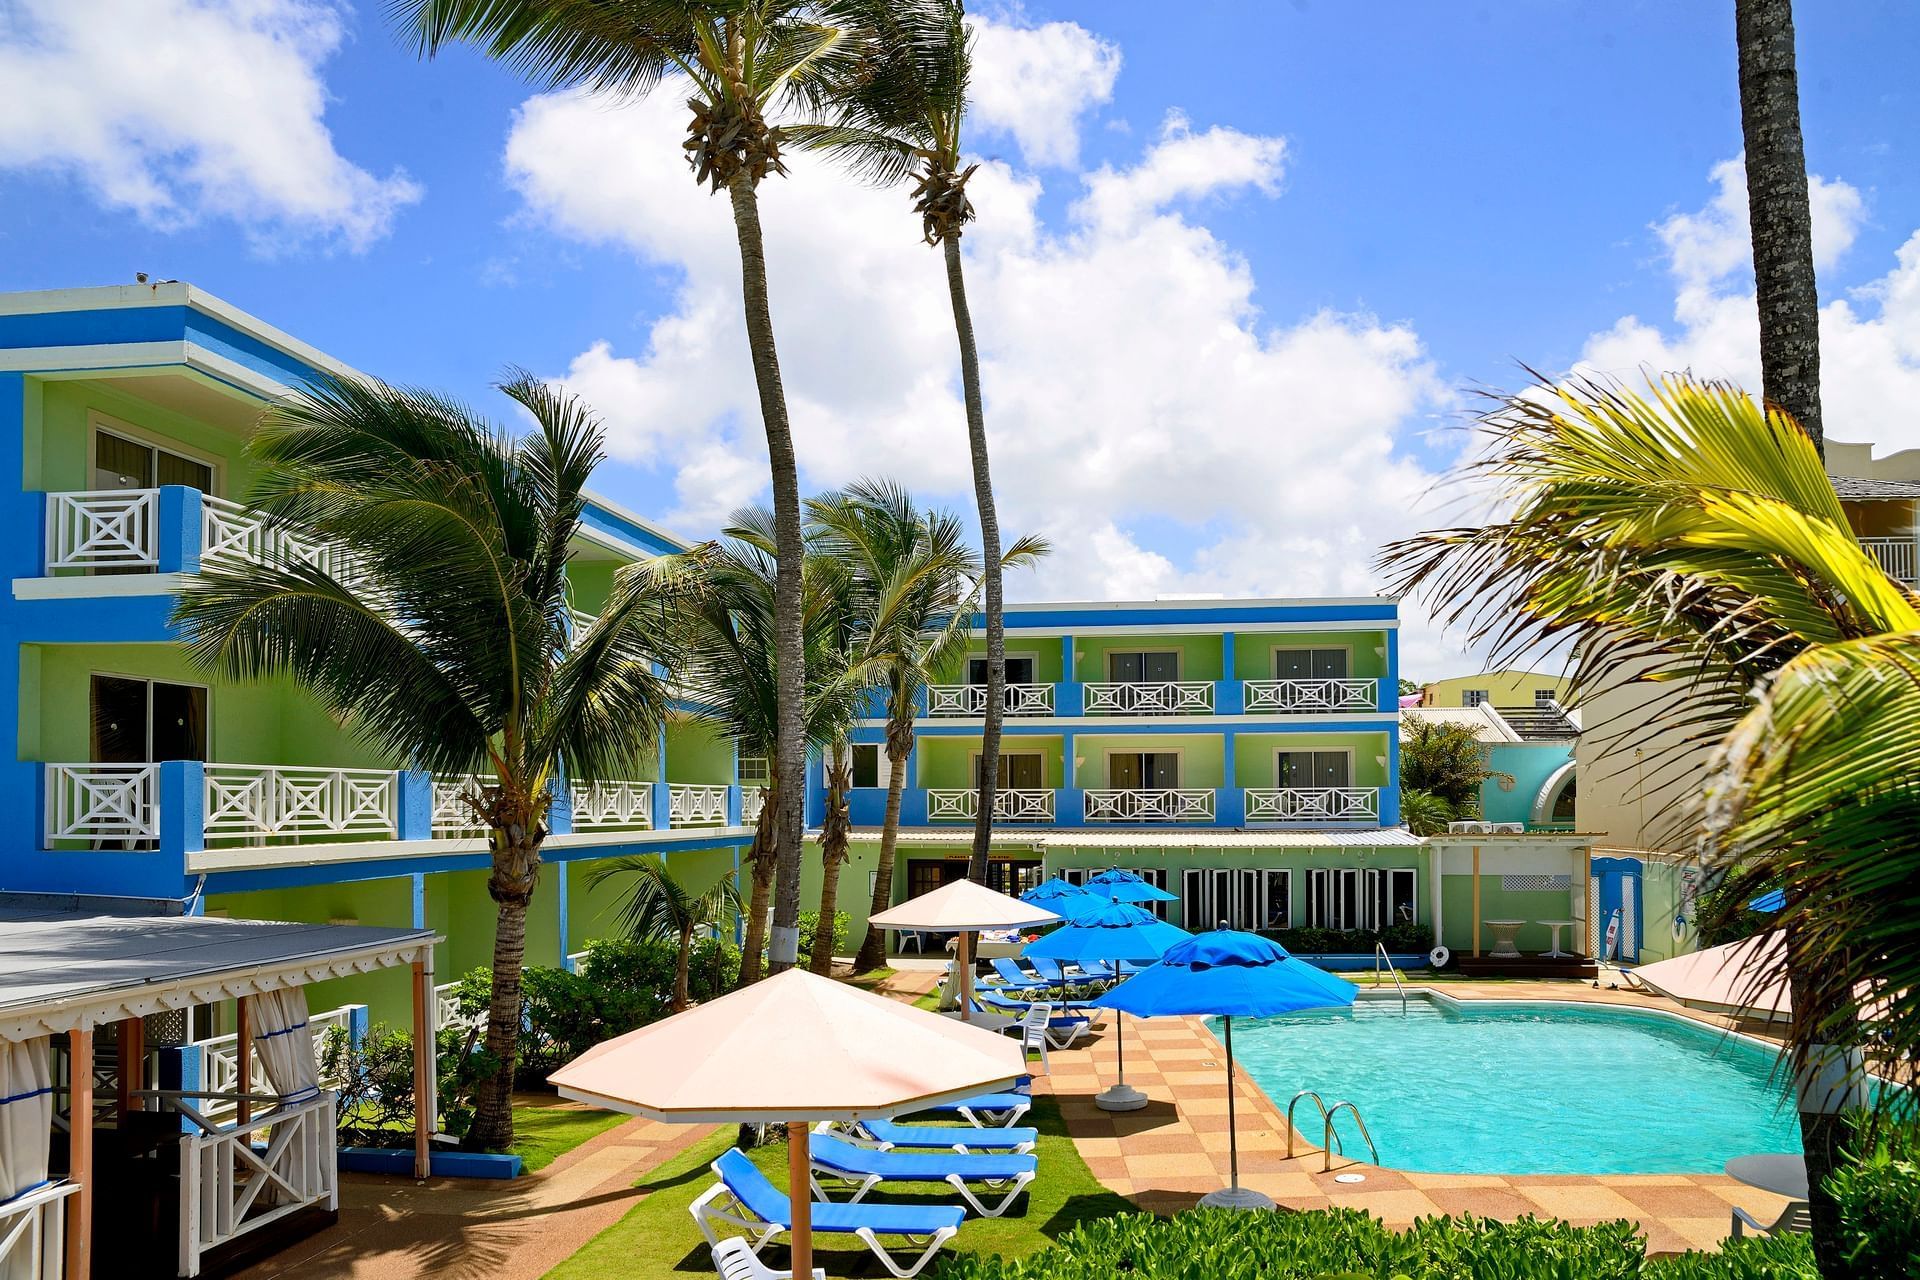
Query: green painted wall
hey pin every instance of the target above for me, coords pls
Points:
(1496, 903)
(948, 761)
(1202, 756)
(1044, 650)
(591, 581)
(698, 752)
(1199, 655)
(1253, 651)
(387, 993)
(58, 439)
(595, 912)
(1660, 893)
(1255, 763)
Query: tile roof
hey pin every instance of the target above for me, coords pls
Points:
(1861, 488)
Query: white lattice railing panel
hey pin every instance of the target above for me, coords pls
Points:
(220, 1062)
(1165, 804)
(102, 802)
(1152, 698)
(971, 700)
(33, 1233)
(446, 1009)
(104, 529)
(752, 800)
(1900, 557)
(253, 802)
(612, 805)
(695, 805)
(1300, 697)
(452, 815)
(579, 622)
(229, 531)
(1313, 804)
(960, 804)
(239, 1179)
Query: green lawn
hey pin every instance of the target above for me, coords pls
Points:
(657, 1239)
(542, 1133)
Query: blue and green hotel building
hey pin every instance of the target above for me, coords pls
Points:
(1242, 753)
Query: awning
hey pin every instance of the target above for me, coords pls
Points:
(70, 970)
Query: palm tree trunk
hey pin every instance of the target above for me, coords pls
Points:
(873, 948)
(761, 859)
(682, 997)
(790, 744)
(834, 831)
(1822, 1014)
(1778, 211)
(990, 562)
(516, 867)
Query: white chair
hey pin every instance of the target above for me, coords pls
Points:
(1796, 1217)
(909, 935)
(733, 1258)
(1033, 1033)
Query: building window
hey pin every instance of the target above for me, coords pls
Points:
(120, 463)
(1389, 897)
(1237, 898)
(1545, 697)
(138, 721)
(1018, 771)
(756, 771)
(1309, 769)
(1309, 664)
(864, 758)
(1143, 770)
(1472, 697)
(1143, 667)
(1019, 669)
(1333, 898)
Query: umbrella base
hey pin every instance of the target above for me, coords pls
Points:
(1235, 1198)
(1120, 1097)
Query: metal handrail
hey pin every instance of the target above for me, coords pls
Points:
(1379, 958)
(1332, 1137)
(1318, 1102)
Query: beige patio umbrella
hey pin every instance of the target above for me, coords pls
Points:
(964, 908)
(1744, 979)
(794, 1049)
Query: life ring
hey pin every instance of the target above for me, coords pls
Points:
(1438, 957)
(1679, 928)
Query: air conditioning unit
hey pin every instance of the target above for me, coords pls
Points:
(1509, 828)
(1470, 828)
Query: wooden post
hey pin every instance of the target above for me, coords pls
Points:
(132, 1064)
(243, 1058)
(964, 959)
(1476, 902)
(422, 1056)
(800, 1195)
(1584, 890)
(80, 1154)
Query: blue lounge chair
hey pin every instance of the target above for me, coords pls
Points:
(865, 1169)
(986, 1110)
(1013, 978)
(763, 1211)
(890, 1135)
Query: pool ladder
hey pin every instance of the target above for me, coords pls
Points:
(1330, 1138)
(1380, 958)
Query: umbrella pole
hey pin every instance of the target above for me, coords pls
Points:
(964, 958)
(800, 1196)
(1233, 1197)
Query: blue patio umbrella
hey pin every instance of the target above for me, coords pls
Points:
(1109, 932)
(1229, 974)
(1773, 900)
(1125, 886)
(1049, 892)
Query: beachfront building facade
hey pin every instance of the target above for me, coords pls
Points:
(124, 418)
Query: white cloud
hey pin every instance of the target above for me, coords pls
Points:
(1869, 336)
(1183, 165)
(1034, 83)
(186, 109)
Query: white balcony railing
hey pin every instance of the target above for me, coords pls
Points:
(109, 802)
(579, 622)
(446, 1009)
(1900, 557)
(752, 799)
(1313, 804)
(452, 814)
(612, 805)
(253, 802)
(229, 531)
(1302, 697)
(694, 805)
(220, 1063)
(33, 1233)
(103, 529)
(971, 700)
(961, 804)
(237, 1180)
(1153, 698)
(1165, 804)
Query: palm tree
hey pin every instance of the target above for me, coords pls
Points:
(732, 672)
(1697, 539)
(914, 586)
(836, 830)
(658, 906)
(900, 114)
(1778, 211)
(449, 643)
(741, 59)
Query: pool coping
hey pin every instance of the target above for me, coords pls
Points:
(1687, 1016)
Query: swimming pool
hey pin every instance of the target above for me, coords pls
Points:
(1525, 1087)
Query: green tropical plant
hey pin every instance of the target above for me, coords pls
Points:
(1425, 813)
(1445, 760)
(740, 61)
(657, 905)
(1691, 543)
(913, 585)
(899, 115)
(447, 640)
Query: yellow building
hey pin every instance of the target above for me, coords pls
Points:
(1509, 688)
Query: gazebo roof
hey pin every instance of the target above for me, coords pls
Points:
(64, 970)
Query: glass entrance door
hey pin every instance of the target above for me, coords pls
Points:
(137, 721)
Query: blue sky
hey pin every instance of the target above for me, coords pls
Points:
(1450, 189)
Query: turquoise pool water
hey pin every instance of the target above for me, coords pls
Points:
(1525, 1088)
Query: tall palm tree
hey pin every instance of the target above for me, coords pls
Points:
(449, 644)
(1778, 211)
(732, 669)
(740, 60)
(915, 583)
(658, 906)
(1695, 538)
(836, 830)
(900, 115)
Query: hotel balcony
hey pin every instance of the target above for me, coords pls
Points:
(1311, 806)
(1295, 697)
(1148, 804)
(170, 529)
(1013, 805)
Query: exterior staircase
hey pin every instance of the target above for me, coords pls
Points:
(1541, 723)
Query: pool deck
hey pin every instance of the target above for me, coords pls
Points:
(1167, 1155)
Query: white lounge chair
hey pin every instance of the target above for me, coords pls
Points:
(734, 1259)
(1796, 1217)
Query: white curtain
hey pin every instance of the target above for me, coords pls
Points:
(284, 1043)
(26, 1115)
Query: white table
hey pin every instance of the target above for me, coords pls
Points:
(985, 1021)
(1553, 952)
(1782, 1175)
(1504, 932)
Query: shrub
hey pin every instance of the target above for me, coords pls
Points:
(1398, 938)
(809, 921)
(375, 1098)
(1877, 1188)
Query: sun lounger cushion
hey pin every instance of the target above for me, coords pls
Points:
(941, 1137)
(915, 1166)
(768, 1203)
